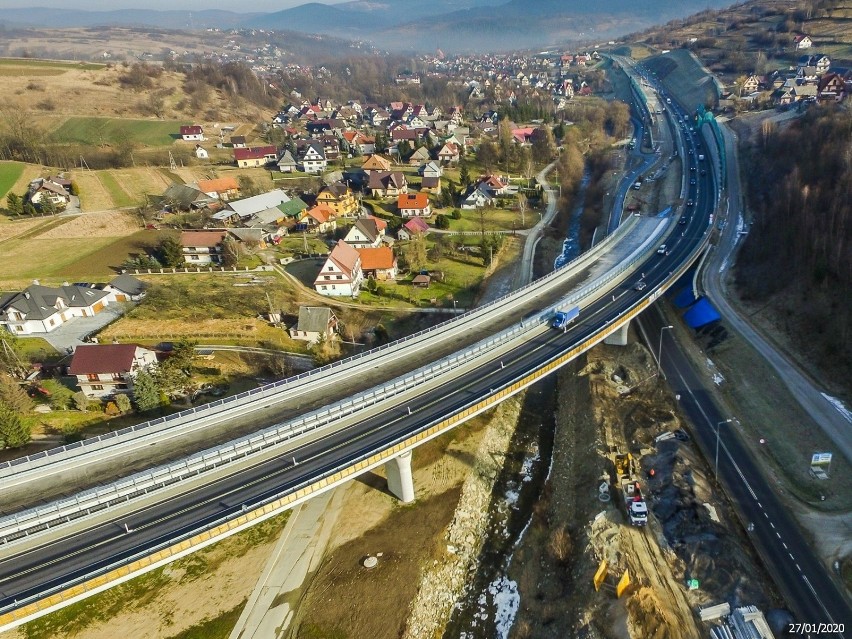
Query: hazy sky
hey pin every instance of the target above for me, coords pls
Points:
(193, 5)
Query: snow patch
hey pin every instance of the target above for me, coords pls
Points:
(839, 406)
(507, 601)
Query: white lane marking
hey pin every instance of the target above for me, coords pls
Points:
(778, 534)
(765, 515)
(761, 505)
(773, 525)
(798, 567)
(785, 546)
(819, 601)
(791, 556)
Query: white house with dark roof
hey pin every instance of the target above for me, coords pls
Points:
(126, 288)
(41, 309)
(104, 370)
(314, 322)
(312, 158)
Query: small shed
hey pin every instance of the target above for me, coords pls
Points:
(422, 280)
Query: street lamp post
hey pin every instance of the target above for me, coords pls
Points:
(660, 349)
(716, 465)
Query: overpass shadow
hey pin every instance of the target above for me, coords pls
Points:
(375, 481)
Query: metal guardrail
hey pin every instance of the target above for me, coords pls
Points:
(274, 390)
(46, 517)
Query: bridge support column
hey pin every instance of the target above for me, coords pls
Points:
(400, 480)
(619, 338)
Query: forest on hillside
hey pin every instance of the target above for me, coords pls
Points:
(798, 254)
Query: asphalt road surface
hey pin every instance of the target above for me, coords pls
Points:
(808, 589)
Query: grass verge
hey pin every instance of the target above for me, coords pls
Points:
(9, 174)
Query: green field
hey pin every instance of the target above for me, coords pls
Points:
(118, 194)
(112, 131)
(9, 174)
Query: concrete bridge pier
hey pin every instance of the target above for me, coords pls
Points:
(400, 480)
(619, 337)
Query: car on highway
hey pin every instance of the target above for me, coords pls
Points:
(640, 285)
(683, 219)
(703, 171)
(692, 181)
(692, 168)
(689, 202)
(662, 250)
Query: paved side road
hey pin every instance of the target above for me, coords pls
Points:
(836, 425)
(64, 338)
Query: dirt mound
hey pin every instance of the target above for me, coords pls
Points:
(648, 617)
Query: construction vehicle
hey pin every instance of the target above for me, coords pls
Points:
(627, 481)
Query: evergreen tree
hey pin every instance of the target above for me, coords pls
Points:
(13, 396)
(13, 432)
(145, 392)
(169, 252)
(15, 204)
(464, 175)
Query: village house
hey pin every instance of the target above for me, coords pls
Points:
(803, 42)
(251, 206)
(224, 188)
(41, 309)
(387, 183)
(126, 288)
(449, 153)
(42, 190)
(104, 370)
(286, 163)
(831, 88)
(412, 228)
(378, 263)
(319, 219)
(376, 164)
(202, 247)
(413, 205)
(191, 133)
(238, 141)
(341, 274)
(367, 232)
(419, 156)
(314, 323)
(477, 196)
(312, 158)
(339, 197)
(255, 156)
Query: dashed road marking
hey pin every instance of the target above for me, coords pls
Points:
(773, 525)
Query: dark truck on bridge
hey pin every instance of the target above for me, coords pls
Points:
(563, 318)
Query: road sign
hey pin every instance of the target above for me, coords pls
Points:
(600, 575)
(820, 459)
(622, 584)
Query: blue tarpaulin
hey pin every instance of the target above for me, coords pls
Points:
(685, 297)
(701, 314)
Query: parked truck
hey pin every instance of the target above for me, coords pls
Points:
(627, 482)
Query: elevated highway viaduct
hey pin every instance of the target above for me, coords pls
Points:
(79, 552)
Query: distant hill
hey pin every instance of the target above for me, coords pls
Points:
(407, 25)
(469, 25)
(361, 18)
(58, 18)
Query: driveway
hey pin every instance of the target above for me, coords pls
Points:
(72, 332)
